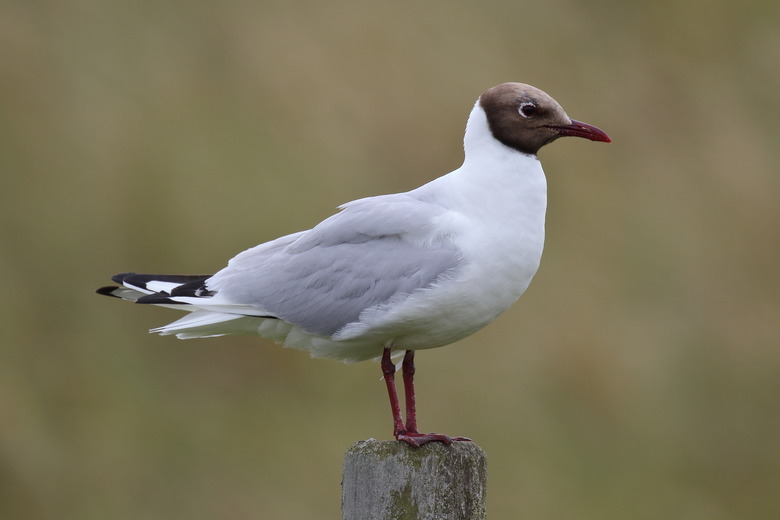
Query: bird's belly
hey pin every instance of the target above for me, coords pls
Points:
(455, 307)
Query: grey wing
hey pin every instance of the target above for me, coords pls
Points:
(368, 254)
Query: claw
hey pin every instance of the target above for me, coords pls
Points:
(408, 432)
(418, 439)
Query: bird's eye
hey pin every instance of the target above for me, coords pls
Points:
(527, 109)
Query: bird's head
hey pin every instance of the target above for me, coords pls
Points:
(525, 118)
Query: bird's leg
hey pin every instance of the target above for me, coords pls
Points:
(408, 374)
(408, 433)
(388, 371)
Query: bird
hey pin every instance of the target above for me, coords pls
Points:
(388, 275)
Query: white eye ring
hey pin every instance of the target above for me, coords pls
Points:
(527, 109)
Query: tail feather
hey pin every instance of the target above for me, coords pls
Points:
(208, 315)
(205, 324)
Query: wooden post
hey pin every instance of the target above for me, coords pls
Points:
(390, 480)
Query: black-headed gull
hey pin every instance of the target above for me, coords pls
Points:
(393, 273)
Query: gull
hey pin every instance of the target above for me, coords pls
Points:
(392, 274)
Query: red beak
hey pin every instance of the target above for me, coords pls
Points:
(579, 129)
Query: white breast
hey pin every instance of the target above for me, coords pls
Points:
(497, 204)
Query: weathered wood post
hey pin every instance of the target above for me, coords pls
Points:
(390, 480)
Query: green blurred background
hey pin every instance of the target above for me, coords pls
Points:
(639, 377)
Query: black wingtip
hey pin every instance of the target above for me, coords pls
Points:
(108, 291)
(120, 278)
(157, 299)
(190, 285)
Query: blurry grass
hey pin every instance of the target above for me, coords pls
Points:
(636, 379)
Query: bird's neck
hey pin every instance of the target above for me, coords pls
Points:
(485, 156)
(510, 180)
(480, 145)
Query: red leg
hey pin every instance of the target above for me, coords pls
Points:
(388, 370)
(408, 433)
(411, 408)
